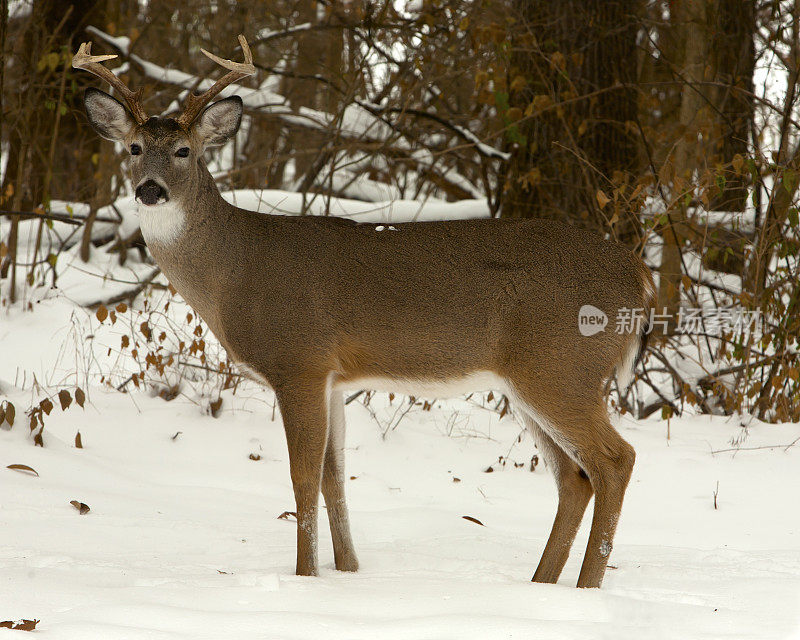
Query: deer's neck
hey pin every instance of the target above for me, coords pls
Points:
(181, 234)
(162, 225)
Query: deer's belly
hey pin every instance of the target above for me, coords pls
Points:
(431, 387)
(425, 388)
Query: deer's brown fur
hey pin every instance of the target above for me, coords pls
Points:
(311, 305)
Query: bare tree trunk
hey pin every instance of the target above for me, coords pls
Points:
(303, 90)
(733, 60)
(571, 95)
(690, 18)
(3, 38)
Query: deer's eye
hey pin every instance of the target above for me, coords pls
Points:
(182, 152)
(135, 149)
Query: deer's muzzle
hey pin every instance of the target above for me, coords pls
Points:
(150, 193)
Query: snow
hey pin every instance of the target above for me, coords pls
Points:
(183, 538)
(268, 34)
(290, 202)
(487, 150)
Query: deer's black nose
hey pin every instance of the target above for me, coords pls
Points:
(150, 192)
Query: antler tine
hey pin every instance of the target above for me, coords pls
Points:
(237, 71)
(84, 59)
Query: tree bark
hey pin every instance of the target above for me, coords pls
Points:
(690, 18)
(733, 60)
(571, 75)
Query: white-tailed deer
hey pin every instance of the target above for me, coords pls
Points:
(311, 305)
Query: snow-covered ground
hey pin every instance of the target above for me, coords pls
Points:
(183, 539)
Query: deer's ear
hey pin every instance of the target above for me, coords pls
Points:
(107, 115)
(220, 121)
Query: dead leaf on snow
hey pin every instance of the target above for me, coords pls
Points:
(19, 625)
(80, 506)
(23, 468)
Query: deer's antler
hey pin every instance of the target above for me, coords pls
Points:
(86, 61)
(237, 71)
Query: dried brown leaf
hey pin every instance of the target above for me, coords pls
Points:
(23, 468)
(82, 507)
(475, 520)
(255, 456)
(19, 625)
(80, 396)
(10, 412)
(46, 406)
(216, 406)
(121, 307)
(65, 399)
(170, 393)
(286, 515)
(504, 410)
(78, 441)
(101, 313)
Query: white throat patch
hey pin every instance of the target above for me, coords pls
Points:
(161, 224)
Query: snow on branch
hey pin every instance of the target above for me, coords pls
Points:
(268, 34)
(480, 146)
(357, 120)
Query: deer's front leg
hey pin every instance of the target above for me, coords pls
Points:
(304, 410)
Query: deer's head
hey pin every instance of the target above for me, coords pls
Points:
(166, 153)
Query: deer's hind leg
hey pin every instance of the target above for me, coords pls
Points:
(577, 422)
(574, 493)
(333, 486)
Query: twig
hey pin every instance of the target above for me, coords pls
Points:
(125, 384)
(354, 396)
(127, 294)
(772, 446)
(60, 217)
